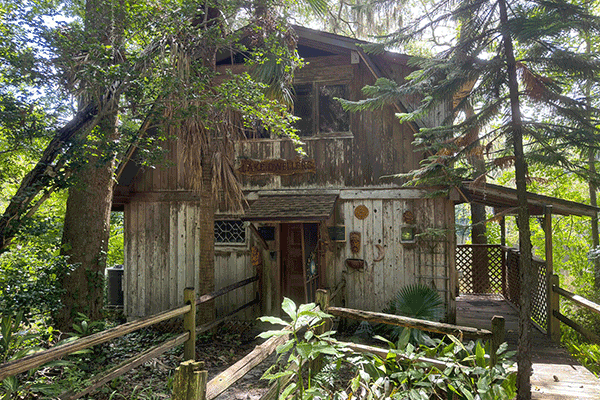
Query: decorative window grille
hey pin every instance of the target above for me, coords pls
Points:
(228, 232)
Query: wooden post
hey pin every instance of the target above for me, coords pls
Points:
(549, 265)
(554, 304)
(190, 380)
(498, 334)
(503, 231)
(189, 324)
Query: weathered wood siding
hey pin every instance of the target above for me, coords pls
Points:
(161, 255)
(429, 262)
(233, 264)
(377, 144)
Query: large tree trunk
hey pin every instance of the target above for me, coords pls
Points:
(85, 238)
(87, 220)
(526, 271)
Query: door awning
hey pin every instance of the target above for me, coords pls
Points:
(291, 208)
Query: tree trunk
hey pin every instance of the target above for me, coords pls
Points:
(87, 219)
(526, 271)
(206, 273)
(480, 261)
(85, 238)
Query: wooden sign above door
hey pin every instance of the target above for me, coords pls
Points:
(277, 166)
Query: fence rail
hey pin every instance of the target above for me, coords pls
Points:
(188, 338)
(557, 317)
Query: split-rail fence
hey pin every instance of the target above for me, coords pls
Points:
(187, 338)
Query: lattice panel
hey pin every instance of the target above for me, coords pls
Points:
(539, 305)
(480, 269)
(513, 285)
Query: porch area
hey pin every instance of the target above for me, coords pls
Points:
(488, 286)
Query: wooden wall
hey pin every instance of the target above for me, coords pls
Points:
(233, 264)
(161, 255)
(429, 262)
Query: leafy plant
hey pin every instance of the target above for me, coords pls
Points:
(462, 370)
(414, 301)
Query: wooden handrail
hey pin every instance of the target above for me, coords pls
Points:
(35, 360)
(589, 335)
(436, 327)
(225, 290)
(579, 300)
(125, 366)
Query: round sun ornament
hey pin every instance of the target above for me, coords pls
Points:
(361, 212)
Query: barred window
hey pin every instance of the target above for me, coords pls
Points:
(228, 231)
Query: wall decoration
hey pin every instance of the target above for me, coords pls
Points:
(256, 257)
(381, 254)
(361, 212)
(408, 217)
(355, 242)
(407, 234)
(356, 264)
(337, 233)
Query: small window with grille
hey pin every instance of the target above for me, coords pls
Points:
(230, 232)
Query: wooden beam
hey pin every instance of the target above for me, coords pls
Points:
(258, 237)
(232, 374)
(210, 296)
(589, 335)
(549, 266)
(210, 325)
(429, 326)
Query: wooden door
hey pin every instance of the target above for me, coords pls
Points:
(292, 263)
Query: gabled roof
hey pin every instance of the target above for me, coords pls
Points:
(504, 198)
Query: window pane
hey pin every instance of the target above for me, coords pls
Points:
(230, 232)
(332, 118)
(303, 108)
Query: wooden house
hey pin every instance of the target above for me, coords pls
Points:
(311, 222)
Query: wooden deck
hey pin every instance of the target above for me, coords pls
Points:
(556, 376)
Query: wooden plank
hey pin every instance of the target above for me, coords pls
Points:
(35, 360)
(217, 293)
(181, 260)
(124, 367)
(379, 270)
(210, 325)
(382, 353)
(174, 288)
(232, 374)
(140, 299)
(436, 327)
(579, 300)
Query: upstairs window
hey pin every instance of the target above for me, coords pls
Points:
(320, 113)
(230, 232)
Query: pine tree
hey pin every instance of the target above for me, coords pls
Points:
(509, 61)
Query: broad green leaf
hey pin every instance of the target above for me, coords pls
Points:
(480, 355)
(284, 348)
(289, 307)
(274, 320)
(268, 334)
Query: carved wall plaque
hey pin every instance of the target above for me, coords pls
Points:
(355, 242)
(276, 166)
(361, 212)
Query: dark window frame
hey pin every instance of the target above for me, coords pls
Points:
(316, 109)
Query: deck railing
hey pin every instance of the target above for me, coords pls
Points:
(494, 269)
(187, 338)
(556, 316)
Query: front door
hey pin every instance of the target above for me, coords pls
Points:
(299, 276)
